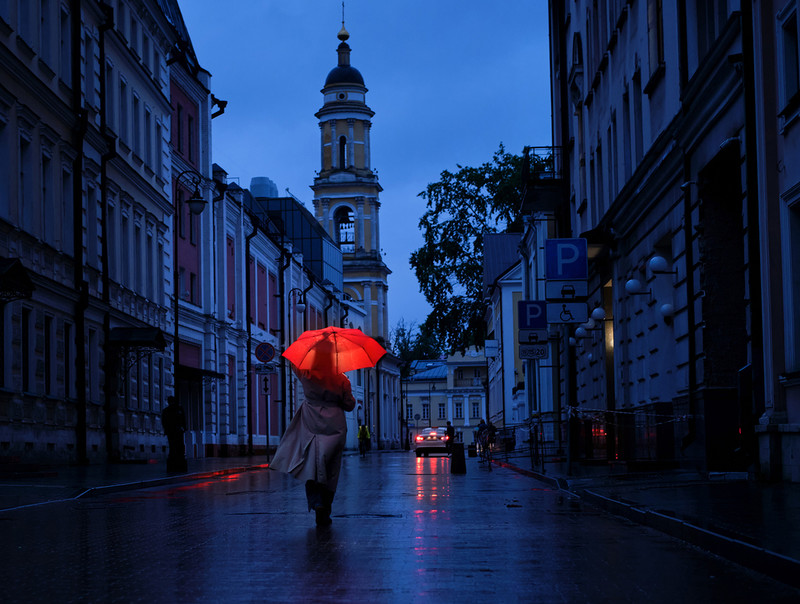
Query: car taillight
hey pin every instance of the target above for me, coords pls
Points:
(420, 438)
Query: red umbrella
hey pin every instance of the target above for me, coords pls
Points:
(334, 350)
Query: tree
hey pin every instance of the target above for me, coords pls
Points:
(461, 208)
(411, 343)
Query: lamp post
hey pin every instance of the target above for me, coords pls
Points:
(299, 306)
(196, 205)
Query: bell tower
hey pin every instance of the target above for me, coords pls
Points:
(346, 189)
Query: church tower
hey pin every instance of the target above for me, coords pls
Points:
(346, 189)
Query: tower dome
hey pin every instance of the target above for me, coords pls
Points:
(344, 73)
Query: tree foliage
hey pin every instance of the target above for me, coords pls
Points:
(461, 208)
(411, 343)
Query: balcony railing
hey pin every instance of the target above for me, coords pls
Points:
(543, 179)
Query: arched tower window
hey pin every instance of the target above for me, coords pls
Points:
(345, 229)
(342, 154)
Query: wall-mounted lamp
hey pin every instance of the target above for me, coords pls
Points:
(634, 287)
(598, 314)
(581, 332)
(667, 311)
(659, 266)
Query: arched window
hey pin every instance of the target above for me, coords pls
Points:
(342, 154)
(345, 229)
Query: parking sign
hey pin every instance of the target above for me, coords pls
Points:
(532, 314)
(566, 259)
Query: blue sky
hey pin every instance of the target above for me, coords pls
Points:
(449, 80)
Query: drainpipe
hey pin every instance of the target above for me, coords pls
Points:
(754, 228)
(282, 310)
(328, 307)
(248, 310)
(80, 284)
(112, 362)
(690, 314)
(378, 403)
(530, 368)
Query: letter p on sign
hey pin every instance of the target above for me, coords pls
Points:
(566, 259)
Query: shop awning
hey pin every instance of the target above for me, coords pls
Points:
(151, 338)
(194, 373)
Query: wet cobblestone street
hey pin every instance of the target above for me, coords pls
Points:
(404, 530)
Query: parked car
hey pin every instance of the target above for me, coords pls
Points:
(430, 440)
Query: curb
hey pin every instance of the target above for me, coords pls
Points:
(767, 562)
(156, 482)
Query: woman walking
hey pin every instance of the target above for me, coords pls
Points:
(311, 449)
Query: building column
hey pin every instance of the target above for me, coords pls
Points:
(350, 147)
(367, 162)
(360, 223)
(334, 142)
(374, 205)
(325, 204)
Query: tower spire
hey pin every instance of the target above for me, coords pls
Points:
(343, 34)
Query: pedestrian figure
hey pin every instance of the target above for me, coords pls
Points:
(450, 433)
(363, 439)
(311, 448)
(173, 420)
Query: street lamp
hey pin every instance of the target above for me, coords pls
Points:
(300, 306)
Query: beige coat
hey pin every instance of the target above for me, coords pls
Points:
(311, 448)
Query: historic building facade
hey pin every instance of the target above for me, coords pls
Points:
(346, 203)
(670, 161)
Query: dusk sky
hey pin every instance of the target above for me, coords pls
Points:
(448, 80)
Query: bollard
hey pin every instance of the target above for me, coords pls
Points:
(457, 463)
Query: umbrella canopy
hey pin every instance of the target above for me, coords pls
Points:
(334, 350)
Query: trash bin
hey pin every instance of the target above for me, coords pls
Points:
(472, 450)
(457, 463)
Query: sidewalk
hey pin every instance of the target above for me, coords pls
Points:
(27, 487)
(752, 523)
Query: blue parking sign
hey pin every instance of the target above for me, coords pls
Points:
(532, 314)
(566, 259)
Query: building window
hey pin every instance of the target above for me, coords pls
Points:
(655, 34)
(190, 135)
(711, 18)
(148, 137)
(45, 36)
(64, 48)
(193, 289)
(26, 183)
(25, 351)
(426, 410)
(342, 152)
(123, 110)
(409, 412)
(48, 355)
(345, 229)
(789, 53)
(459, 410)
(179, 128)
(442, 411)
(476, 410)
(48, 201)
(136, 135)
(69, 387)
